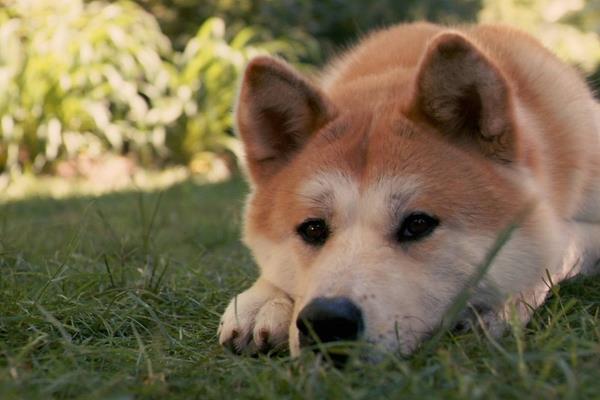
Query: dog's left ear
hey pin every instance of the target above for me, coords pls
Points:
(466, 97)
(277, 112)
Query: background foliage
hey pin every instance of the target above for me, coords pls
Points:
(155, 79)
(78, 77)
(333, 23)
(569, 27)
(82, 78)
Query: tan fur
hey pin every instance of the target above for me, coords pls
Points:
(474, 124)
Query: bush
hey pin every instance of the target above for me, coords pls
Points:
(80, 77)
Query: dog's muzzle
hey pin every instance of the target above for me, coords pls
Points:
(329, 319)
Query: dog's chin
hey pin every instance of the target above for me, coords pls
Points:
(368, 353)
(371, 351)
(362, 351)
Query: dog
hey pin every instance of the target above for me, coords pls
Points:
(380, 189)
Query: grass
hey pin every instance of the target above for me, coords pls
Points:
(119, 297)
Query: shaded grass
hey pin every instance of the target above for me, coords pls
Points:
(120, 296)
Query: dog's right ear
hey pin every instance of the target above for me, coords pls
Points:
(277, 112)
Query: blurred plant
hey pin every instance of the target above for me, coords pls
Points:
(78, 77)
(587, 16)
(570, 28)
(333, 23)
(82, 77)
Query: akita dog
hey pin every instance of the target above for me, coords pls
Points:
(379, 190)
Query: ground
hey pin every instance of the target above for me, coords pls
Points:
(119, 296)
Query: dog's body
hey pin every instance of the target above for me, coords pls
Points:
(378, 193)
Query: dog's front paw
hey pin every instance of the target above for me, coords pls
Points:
(256, 320)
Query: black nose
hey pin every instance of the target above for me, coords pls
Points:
(329, 320)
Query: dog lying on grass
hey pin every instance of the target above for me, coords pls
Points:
(380, 191)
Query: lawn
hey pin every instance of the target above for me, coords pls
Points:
(119, 296)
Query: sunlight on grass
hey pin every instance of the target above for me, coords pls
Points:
(24, 186)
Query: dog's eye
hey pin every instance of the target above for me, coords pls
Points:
(417, 226)
(313, 231)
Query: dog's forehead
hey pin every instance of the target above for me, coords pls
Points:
(370, 147)
(325, 186)
(365, 162)
(345, 194)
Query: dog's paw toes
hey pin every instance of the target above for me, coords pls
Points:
(272, 324)
(238, 339)
(235, 328)
(251, 327)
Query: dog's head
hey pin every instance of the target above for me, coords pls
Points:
(374, 204)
